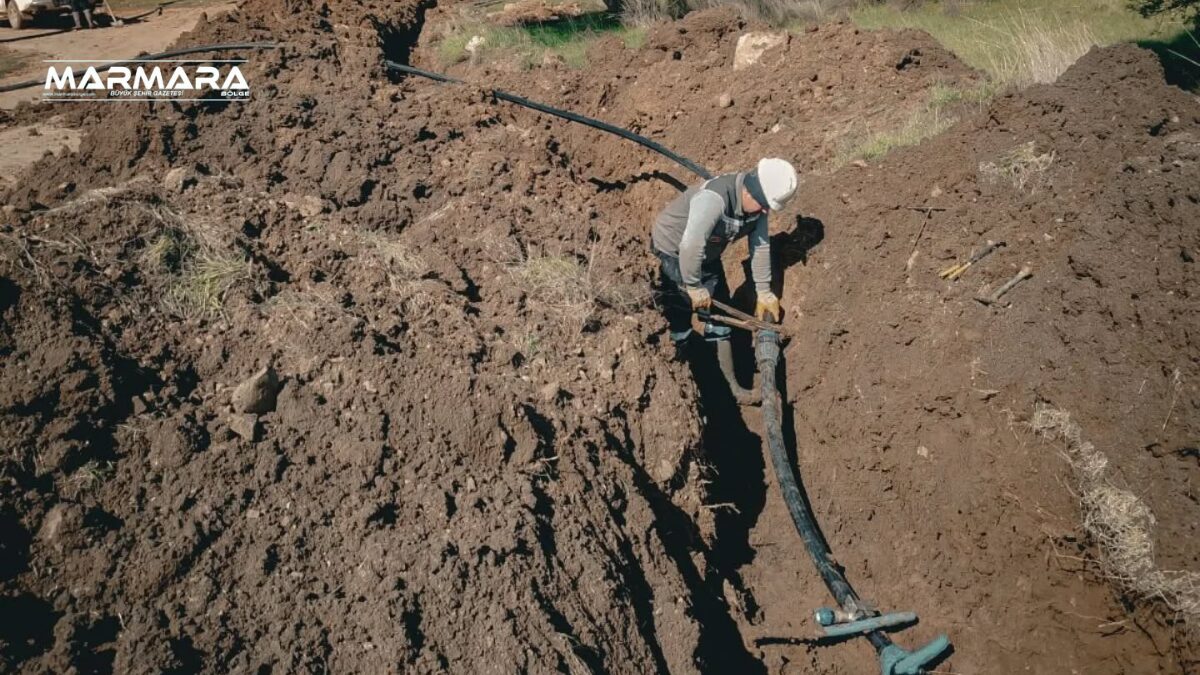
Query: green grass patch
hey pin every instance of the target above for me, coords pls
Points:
(932, 118)
(569, 39)
(1018, 42)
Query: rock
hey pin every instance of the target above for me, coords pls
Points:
(725, 100)
(309, 206)
(60, 520)
(257, 394)
(179, 179)
(245, 425)
(549, 392)
(170, 447)
(751, 47)
(550, 60)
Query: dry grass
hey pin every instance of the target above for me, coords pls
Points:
(783, 12)
(1120, 523)
(91, 475)
(196, 269)
(560, 283)
(1018, 42)
(406, 273)
(775, 12)
(927, 121)
(1023, 167)
(1027, 50)
(200, 290)
(401, 265)
(572, 288)
(646, 12)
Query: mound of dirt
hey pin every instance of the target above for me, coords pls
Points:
(912, 399)
(480, 456)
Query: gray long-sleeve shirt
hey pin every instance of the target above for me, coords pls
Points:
(698, 224)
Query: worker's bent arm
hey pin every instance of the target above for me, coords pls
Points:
(704, 212)
(759, 242)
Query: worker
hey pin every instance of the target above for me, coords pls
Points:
(690, 235)
(84, 6)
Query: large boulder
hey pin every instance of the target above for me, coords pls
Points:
(751, 47)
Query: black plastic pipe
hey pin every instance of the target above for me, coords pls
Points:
(567, 115)
(767, 352)
(149, 57)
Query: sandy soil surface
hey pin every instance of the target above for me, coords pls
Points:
(153, 33)
(24, 145)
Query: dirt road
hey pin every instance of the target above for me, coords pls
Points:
(150, 34)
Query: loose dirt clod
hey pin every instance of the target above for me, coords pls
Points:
(257, 393)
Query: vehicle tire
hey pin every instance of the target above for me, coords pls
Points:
(14, 15)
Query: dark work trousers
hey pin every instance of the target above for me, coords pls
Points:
(675, 304)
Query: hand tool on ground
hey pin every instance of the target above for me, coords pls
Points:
(1024, 274)
(956, 270)
(928, 211)
(117, 21)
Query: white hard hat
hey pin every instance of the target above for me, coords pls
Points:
(778, 180)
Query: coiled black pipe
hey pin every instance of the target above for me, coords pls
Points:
(162, 55)
(567, 115)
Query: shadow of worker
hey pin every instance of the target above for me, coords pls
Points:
(787, 248)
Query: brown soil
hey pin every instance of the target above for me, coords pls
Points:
(481, 457)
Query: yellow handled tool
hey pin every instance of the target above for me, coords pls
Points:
(956, 270)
